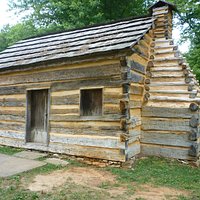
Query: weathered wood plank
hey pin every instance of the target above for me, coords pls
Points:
(133, 149)
(12, 117)
(86, 131)
(12, 111)
(166, 151)
(87, 140)
(111, 109)
(12, 134)
(165, 124)
(166, 112)
(136, 90)
(169, 139)
(12, 90)
(66, 100)
(13, 103)
(136, 66)
(67, 74)
(136, 77)
(78, 118)
(95, 125)
(85, 151)
(72, 85)
(14, 125)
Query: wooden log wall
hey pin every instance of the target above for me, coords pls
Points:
(136, 68)
(95, 136)
(170, 117)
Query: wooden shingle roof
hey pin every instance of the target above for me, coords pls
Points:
(103, 38)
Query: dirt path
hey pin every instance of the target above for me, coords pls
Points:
(94, 178)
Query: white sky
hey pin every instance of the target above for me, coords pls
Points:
(8, 17)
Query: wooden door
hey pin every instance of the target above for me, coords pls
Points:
(37, 116)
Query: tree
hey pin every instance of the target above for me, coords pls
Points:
(46, 16)
(189, 19)
(78, 13)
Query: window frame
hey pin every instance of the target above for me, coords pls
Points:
(102, 110)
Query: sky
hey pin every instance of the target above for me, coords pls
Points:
(8, 17)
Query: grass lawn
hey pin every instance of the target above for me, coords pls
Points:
(149, 174)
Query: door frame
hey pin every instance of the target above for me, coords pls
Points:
(28, 115)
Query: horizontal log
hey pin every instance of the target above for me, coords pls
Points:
(12, 90)
(77, 150)
(175, 99)
(66, 100)
(12, 117)
(72, 85)
(78, 118)
(165, 124)
(67, 74)
(166, 151)
(87, 140)
(14, 125)
(93, 125)
(166, 112)
(111, 109)
(12, 134)
(13, 103)
(12, 110)
(86, 131)
(169, 139)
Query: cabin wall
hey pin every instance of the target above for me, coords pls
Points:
(70, 133)
(170, 120)
(136, 64)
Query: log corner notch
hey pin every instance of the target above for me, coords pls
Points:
(194, 136)
(124, 102)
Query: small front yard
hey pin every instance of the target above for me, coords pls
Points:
(151, 178)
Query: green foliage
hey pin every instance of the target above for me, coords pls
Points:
(77, 13)
(46, 16)
(189, 19)
(193, 58)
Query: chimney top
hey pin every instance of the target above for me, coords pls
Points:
(161, 4)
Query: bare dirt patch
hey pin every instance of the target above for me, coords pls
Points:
(79, 175)
(94, 178)
(148, 192)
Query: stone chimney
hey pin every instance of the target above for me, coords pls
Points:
(163, 13)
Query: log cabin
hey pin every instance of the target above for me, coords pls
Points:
(111, 91)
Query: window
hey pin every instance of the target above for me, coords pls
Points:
(91, 102)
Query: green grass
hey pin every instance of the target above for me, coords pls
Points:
(9, 150)
(162, 172)
(152, 170)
